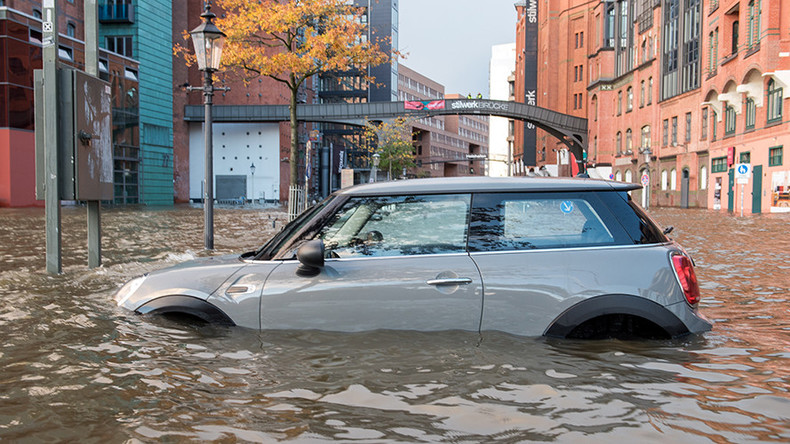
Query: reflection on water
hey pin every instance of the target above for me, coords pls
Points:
(74, 367)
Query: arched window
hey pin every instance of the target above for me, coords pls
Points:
(629, 176)
(703, 178)
(629, 141)
(673, 180)
(664, 180)
(646, 142)
(642, 94)
(618, 176)
(619, 143)
(630, 99)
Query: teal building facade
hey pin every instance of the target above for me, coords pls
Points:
(142, 30)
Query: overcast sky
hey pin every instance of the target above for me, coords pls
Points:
(450, 41)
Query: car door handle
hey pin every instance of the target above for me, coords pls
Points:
(450, 281)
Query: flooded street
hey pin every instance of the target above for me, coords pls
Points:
(74, 367)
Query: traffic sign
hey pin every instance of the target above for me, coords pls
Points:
(742, 172)
(645, 179)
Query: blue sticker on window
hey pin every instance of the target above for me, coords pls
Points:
(566, 207)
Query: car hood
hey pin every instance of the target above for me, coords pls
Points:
(197, 278)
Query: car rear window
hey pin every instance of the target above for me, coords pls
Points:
(526, 221)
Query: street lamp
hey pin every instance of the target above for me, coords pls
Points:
(208, 39)
(374, 173)
(252, 171)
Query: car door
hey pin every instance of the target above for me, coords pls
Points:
(392, 262)
(533, 249)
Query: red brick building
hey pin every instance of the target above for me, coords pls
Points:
(20, 54)
(675, 92)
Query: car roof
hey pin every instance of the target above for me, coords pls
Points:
(471, 184)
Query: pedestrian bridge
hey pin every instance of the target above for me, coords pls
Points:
(570, 130)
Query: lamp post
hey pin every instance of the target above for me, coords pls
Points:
(374, 172)
(252, 172)
(208, 40)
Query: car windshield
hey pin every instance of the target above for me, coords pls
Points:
(268, 250)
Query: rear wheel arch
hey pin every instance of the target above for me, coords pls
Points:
(187, 305)
(615, 308)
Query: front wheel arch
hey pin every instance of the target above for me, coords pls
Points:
(615, 306)
(192, 306)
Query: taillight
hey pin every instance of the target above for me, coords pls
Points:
(688, 280)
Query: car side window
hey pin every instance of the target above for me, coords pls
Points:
(398, 226)
(526, 221)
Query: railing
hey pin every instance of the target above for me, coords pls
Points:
(297, 201)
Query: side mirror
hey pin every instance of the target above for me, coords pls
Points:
(311, 258)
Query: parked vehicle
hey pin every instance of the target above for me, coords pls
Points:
(529, 256)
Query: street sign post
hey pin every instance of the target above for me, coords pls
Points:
(743, 172)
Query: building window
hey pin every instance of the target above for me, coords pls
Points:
(734, 42)
(664, 180)
(677, 26)
(729, 120)
(630, 99)
(619, 102)
(581, 73)
(753, 33)
(37, 13)
(608, 25)
(629, 144)
(774, 102)
(619, 143)
(649, 90)
(751, 113)
(119, 44)
(703, 178)
(688, 127)
(775, 156)
(646, 142)
(629, 176)
(674, 130)
(66, 53)
(719, 165)
(673, 180)
(745, 157)
(665, 139)
(642, 94)
(704, 125)
(581, 39)
(71, 30)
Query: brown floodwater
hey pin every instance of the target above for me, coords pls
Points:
(74, 367)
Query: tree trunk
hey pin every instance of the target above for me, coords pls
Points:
(294, 157)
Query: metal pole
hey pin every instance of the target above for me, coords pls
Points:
(208, 198)
(741, 200)
(92, 68)
(51, 187)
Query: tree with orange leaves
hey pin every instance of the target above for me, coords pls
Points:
(293, 40)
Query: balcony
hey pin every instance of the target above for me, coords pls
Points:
(116, 13)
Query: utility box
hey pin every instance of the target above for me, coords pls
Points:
(85, 154)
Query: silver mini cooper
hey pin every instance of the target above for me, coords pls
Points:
(571, 258)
